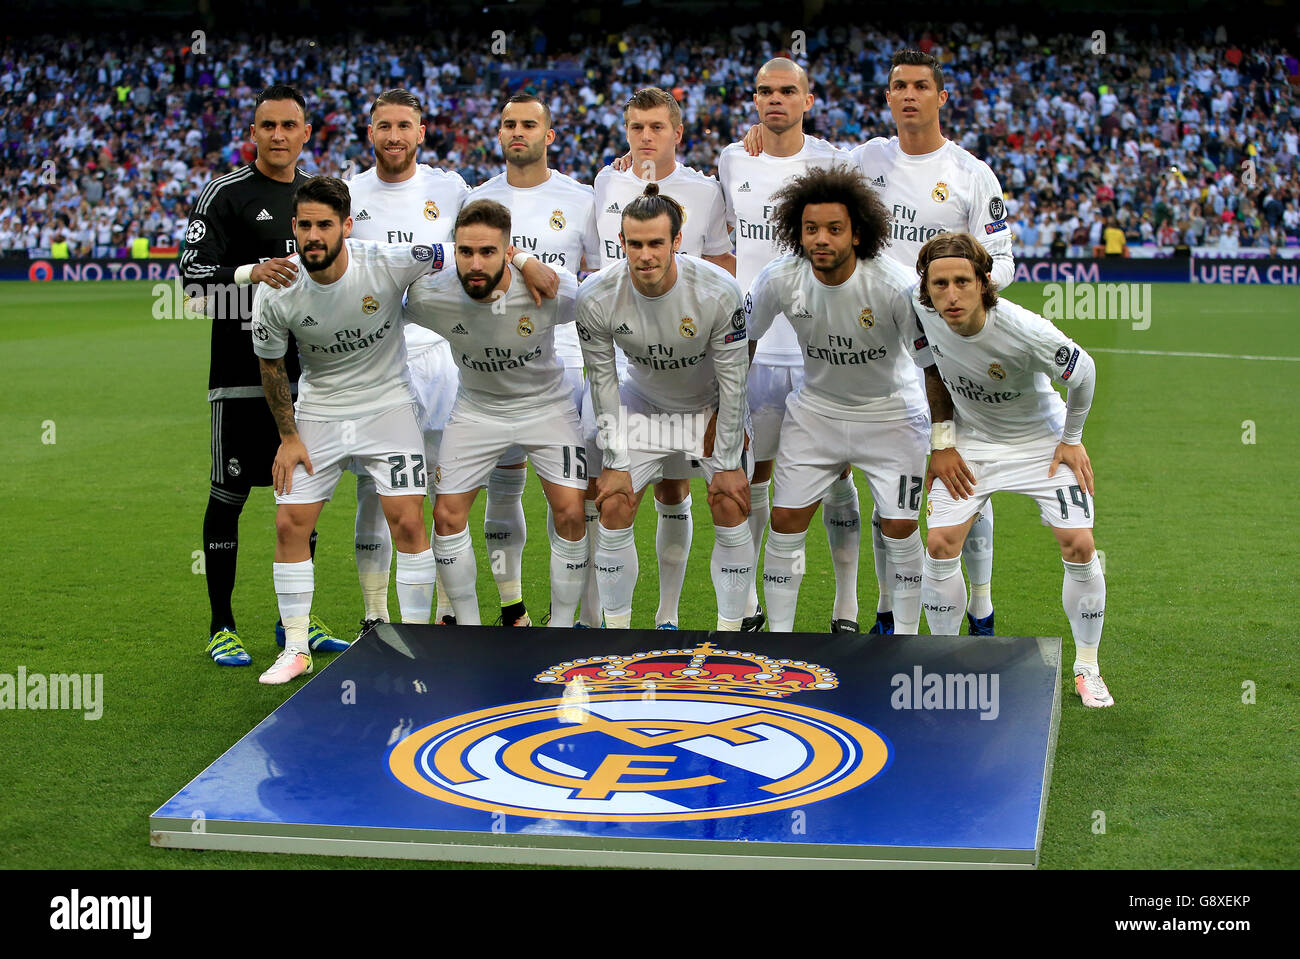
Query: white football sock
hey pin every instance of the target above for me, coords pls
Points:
(374, 545)
(943, 595)
(617, 569)
(455, 557)
(590, 615)
(906, 558)
(294, 585)
(505, 532)
(568, 574)
(843, 522)
(673, 546)
(732, 569)
(416, 573)
(1083, 594)
(760, 510)
(884, 576)
(783, 568)
(977, 551)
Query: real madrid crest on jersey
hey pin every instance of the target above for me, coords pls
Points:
(766, 753)
(997, 372)
(557, 220)
(687, 327)
(369, 305)
(865, 319)
(430, 210)
(525, 327)
(940, 192)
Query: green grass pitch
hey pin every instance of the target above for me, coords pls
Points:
(1193, 456)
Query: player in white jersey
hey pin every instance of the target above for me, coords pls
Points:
(680, 321)
(550, 216)
(1000, 426)
(931, 185)
(782, 98)
(402, 201)
(344, 310)
(860, 403)
(512, 393)
(653, 122)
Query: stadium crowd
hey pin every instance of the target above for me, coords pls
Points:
(105, 141)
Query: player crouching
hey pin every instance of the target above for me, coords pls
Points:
(1000, 426)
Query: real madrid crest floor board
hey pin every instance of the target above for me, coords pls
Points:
(610, 748)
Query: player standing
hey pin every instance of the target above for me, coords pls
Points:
(240, 232)
(782, 97)
(681, 324)
(354, 402)
(551, 216)
(1000, 426)
(930, 186)
(402, 201)
(653, 123)
(512, 393)
(860, 403)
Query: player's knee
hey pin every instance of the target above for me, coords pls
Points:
(291, 528)
(898, 528)
(409, 531)
(670, 492)
(616, 513)
(1076, 546)
(786, 520)
(570, 519)
(943, 542)
(726, 512)
(447, 519)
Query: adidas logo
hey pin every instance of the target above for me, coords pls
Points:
(309, 322)
(613, 208)
(624, 329)
(363, 215)
(460, 328)
(744, 187)
(264, 215)
(878, 181)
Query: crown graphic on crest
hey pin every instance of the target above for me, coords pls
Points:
(701, 669)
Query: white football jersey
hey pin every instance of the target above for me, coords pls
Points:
(947, 191)
(704, 231)
(505, 348)
(553, 221)
(1001, 378)
(353, 358)
(861, 342)
(748, 183)
(419, 210)
(687, 350)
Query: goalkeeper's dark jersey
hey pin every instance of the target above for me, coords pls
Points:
(242, 217)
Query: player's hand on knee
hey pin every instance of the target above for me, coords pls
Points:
(1074, 456)
(292, 451)
(277, 272)
(542, 281)
(732, 485)
(949, 467)
(613, 483)
(754, 140)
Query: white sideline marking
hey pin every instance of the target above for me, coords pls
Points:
(1209, 356)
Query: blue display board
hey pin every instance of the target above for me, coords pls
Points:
(605, 747)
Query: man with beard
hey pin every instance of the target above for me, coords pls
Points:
(512, 394)
(239, 233)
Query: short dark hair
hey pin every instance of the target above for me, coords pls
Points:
(281, 91)
(487, 212)
(651, 204)
(908, 57)
(648, 98)
(867, 214)
(329, 190)
(530, 98)
(962, 246)
(398, 97)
